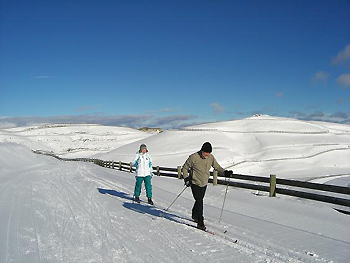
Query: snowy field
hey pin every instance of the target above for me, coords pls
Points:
(53, 211)
(72, 140)
(261, 145)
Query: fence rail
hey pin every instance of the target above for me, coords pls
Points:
(270, 184)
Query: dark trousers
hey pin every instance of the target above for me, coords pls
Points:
(198, 195)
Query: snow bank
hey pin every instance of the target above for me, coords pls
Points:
(15, 156)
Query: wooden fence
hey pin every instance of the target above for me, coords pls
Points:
(266, 184)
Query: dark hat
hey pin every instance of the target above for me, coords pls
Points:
(206, 147)
(143, 146)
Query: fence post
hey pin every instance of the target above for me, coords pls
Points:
(120, 165)
(130, 167)
(272, 185)
(158, 174)
(179, 172)
(215, 177)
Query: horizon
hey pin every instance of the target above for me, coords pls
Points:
(22, 123)
(173, 64)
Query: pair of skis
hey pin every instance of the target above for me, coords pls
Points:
(221, 235)
(190, 223)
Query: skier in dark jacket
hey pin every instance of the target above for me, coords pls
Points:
(199, 164)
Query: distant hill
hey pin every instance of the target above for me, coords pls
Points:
(258, 145)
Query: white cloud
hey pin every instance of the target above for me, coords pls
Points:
(343, 100)
(343, 56)
(321, 77)
(340, 115)
(217, 108)
(86, 108)
(279, 95)
(168, 110)
(134, 121)
(42, 77)
(337, 117)
(174, 121)
(344, 80)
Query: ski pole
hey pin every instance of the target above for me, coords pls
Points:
(222, 209)
(176, 198)
(223, 204)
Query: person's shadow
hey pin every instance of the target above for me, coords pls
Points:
(142, 207)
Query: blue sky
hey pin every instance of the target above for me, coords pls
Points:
(173, 63)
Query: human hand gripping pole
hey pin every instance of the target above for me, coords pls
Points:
(188, 181)
(228, 173)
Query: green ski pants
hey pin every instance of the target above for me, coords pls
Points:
(148, 186)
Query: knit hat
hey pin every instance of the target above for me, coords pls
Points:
(143, 146)
(207, 147)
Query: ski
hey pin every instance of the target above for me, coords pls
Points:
(222, 235)
(193, 226)
(232, 240)
(188, 222)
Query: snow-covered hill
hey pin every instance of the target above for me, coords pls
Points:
(69, 140)
(54, 211)
(260, 145)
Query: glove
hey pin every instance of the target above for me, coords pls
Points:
(188, 181)
(228, 173)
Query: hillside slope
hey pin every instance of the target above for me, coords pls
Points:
(72, 140)
(260, 145)
(53, 211)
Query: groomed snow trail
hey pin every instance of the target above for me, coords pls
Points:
(54, 211)
(62, 212)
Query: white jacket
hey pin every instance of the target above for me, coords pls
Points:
(143, 164)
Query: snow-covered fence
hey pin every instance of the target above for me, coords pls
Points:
(266, 184)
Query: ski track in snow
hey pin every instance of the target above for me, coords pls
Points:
(77, 212)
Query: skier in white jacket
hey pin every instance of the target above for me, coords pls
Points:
(143, 165)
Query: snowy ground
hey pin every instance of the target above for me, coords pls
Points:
(261, 145)
(72, 140)
(54, 211)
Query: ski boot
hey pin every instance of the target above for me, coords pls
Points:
(201, 227)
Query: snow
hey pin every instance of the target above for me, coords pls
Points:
(261, 145)
(69, 140)
(54, 211)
